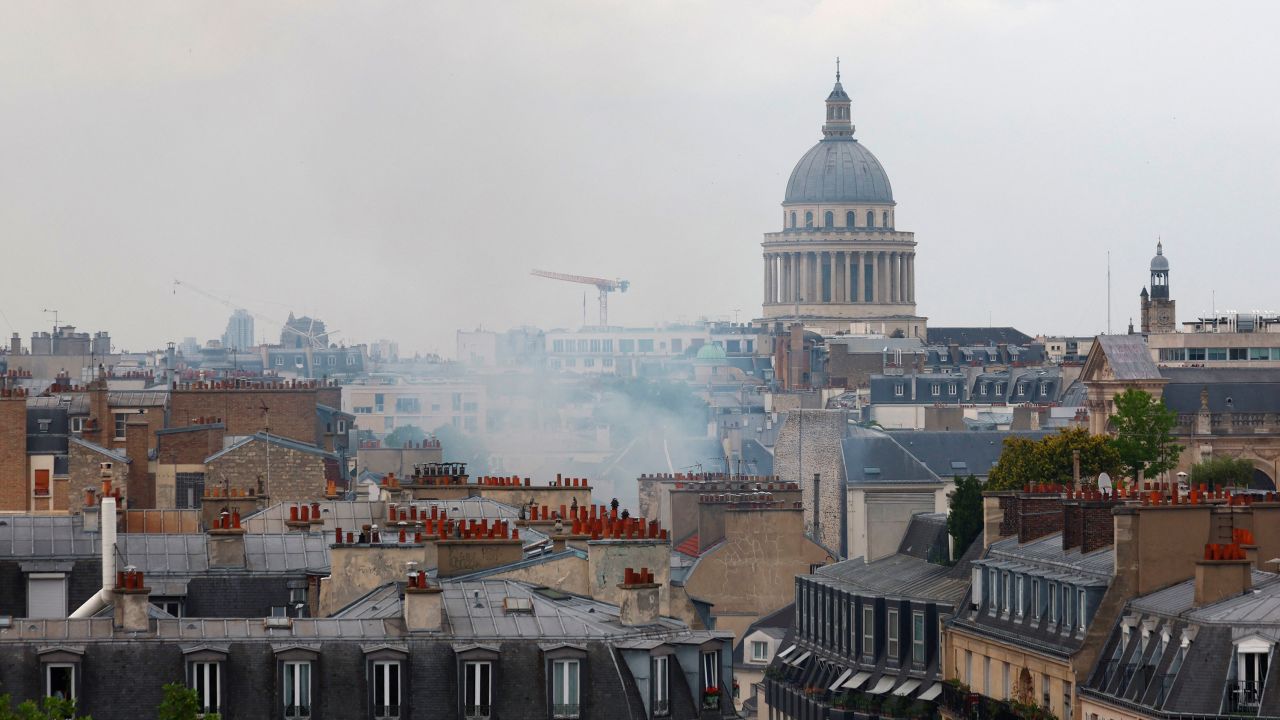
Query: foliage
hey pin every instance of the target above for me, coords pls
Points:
(1224, 471)
(1030, 711)
(1143, 429)
(964, 522)
(1050, 459)
(47, 709)
(404, 434)
(181, 703)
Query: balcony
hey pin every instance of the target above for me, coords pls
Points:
(959, 702)
(1244, 697)
(566, 710)
(476, 712)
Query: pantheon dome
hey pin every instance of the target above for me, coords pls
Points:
(839, 265)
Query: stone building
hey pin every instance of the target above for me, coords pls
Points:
(278, 468)
(839, 263)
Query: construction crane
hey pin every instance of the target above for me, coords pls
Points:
(604, 285)
(315, 341)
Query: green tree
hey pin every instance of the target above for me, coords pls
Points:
(404, 434)
(964, 521)
(181, 703)
(1224, 471)
(1143, 428)
(47, 709)
(1021, 463)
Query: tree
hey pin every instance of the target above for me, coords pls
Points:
(1222, 471)
(404, 434)
(181, 703)
(47, 709)
(1051, 459)
(1143, 429)
(964, 521)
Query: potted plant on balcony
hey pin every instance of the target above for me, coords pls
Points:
(711, 698)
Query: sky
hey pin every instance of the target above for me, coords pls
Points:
(398, 168)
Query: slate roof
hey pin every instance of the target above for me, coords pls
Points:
(137, 398)
(926, 536)
(1128, 356)
(977, 336)
(873, 457)
(897, 575)
(951, 454)
(1250, 390)
(277, 441)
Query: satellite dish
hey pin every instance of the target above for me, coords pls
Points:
(1104, 482)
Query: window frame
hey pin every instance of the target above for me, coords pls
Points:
(395, 710)
(212, 668)
(919, 648)
(477, 684)
(660, 684)
(294, 683)
(892, 646)
(571, 684)
(763, 655)
(60, 663)
(868, 630)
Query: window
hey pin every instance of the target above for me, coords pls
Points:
(297, 689)
(759, 651)
(409, 405)
(662, 685)
(993, 592)
(386, 689)
(884, 219)
(77, 425)
(1251, 671)
(299, 360)
(1008, 594)
(711, 669)
(1006, 682)
(808, 219)
(279, 361)
(564, 688)
(793, 219)
(60, 680)
(1018, 597)
(1259, 354)
(677, 345)
(477, 689)
(646, 346)
(849, 219)
(46, 595)
(986, 676)
(172, 606)
(1238, 354)
(917, 638)
(1195, 353)
(897, 389)
(829, 219)
(122, 420)
(871, 219)
(951, 389)
(1080, 616)
(868, 631)
(1053, 603)
(379, 402)
(626, 346)
(1217, 353)
(891, 635)
(203, 678)
(332, 360)
(351, 360)
(1022, 388)
(41, 482)
(935, 389)
(606, 362)
(968, 667)
(588, 362)
(1035, 598)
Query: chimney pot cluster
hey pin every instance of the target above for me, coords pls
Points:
(227, 520)
(632, 577)
(217, 492)
(448, 473)
(130, 579)
(244, 384)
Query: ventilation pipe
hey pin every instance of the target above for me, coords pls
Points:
(103, 598)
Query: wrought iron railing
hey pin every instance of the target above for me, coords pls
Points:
(476, 712)
(662, 708)
(1245, 696)
(565, 710)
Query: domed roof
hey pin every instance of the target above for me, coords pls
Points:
(1159, 263)
(838, 170)
(711, 351)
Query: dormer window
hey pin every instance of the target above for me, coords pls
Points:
(1252, 654)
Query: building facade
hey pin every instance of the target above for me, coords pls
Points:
(839, 262)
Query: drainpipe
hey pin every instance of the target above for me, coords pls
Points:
(102, 598)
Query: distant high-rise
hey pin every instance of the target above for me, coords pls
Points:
(239, 334)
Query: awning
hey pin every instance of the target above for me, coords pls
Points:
(905, 688)
(934, 691)
(885, 683)
(797, 662)
(840, 680)
(787, 652)
(857, 680)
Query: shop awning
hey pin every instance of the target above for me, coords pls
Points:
(885, 683)
(934, 691)
(905, 688)
(840, 680)
(856, 681)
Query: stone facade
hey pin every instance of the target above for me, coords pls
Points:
(85, 472)
(281, 472)
(809, 445)
(290, 411)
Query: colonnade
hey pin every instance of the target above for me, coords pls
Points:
(839, 276)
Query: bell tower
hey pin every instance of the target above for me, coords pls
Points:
(1158, 311)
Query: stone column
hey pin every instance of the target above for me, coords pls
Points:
(795, 276)
(837, 277)
(892, 260)
(898, 285)
(911, 269)
(826, 277)
(859, 279)
(767, 298)
(875, 277)
(807, 297)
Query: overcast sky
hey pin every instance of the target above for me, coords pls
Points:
(397, 168)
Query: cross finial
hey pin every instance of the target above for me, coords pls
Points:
(837, 69)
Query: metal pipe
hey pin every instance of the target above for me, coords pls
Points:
(107, 528)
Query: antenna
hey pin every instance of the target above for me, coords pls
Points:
(1108, 292)
(55, 317)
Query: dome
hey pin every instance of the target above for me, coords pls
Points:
(838, 170)
(1159, 263)
(711, 351)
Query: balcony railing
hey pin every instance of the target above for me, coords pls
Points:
(385, 712)
(661, 708)
(297, 711)
(565, 710)
(1245, 696)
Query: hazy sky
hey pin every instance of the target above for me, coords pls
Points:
(398, 167)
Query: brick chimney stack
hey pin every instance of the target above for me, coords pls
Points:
(1225, 572)
(423, 603)
(131, 599)
(640, 598)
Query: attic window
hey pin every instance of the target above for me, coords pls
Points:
(517, 605)
(959, 465)
(44, 425)
(870, 471)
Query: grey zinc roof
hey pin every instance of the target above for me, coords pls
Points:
(137, 398)
(1260, 606)
(1180, 598)
(475, 609)
(872, 457)
(286, 553)
(1250, 390)
(838, 170)
(113, 454)
(897, 575)
(75, 403)
(977, 336)
(165, 554)
(950, 454)
(38, 536)
(1129, 357)
(274, 440)
(926, 536)
(1047, 552)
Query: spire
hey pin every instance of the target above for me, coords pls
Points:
(839, 124)
(1159, 244)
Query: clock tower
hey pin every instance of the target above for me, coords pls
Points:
(1157, 308)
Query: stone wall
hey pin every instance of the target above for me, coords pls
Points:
(821, 453)
(609, 559)
(84, 472)
(189, 447)
(294, 475)
(291, 412)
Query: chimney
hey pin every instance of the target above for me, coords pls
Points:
(226, 541)
(139, 489)
(1225, 572)
(131, 600)
(640, 598)
(423, 604)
